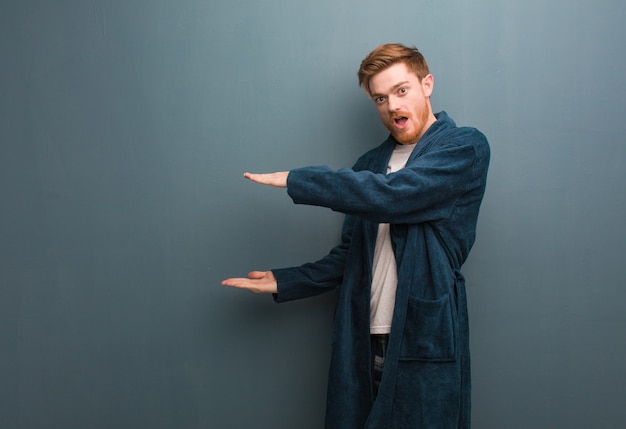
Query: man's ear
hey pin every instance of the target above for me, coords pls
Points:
(428, 82)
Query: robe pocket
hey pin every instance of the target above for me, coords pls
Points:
(430, 331)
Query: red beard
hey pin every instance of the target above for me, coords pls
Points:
(401, 129)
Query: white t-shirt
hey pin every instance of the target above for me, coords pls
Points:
(384, 270)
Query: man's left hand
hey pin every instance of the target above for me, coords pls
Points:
(278, 179)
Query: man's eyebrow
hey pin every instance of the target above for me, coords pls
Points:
(393, 88)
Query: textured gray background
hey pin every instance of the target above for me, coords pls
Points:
(126, 126)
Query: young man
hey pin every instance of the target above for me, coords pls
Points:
(400, 338)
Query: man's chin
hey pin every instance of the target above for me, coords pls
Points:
(404, 138)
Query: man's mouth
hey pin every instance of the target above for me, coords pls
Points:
(400, 121)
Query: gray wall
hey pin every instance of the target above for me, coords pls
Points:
(126, 126)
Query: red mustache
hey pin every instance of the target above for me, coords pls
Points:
(395, 115)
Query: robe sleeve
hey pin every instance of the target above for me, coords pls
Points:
(425, 190)
(315, 278)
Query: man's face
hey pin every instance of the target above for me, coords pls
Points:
(403, 102)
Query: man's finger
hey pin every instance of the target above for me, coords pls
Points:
(257, 274)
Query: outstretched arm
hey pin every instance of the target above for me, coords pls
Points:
(257, 282)
(278, 179)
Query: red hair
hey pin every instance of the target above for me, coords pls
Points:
(387, 55)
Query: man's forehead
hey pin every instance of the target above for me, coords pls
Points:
(392, 78)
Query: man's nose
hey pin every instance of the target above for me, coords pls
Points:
(393, 104)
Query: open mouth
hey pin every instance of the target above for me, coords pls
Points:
(400, 121)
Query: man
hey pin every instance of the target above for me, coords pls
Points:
(400, 338)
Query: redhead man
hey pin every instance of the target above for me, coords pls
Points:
(400, 354)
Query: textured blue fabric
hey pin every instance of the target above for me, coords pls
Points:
(432, 205)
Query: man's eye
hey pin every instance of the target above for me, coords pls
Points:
(380, 100)
(403, 90)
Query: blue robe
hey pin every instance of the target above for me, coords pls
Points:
(432, 205)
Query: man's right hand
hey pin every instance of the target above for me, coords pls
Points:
(257, 282)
